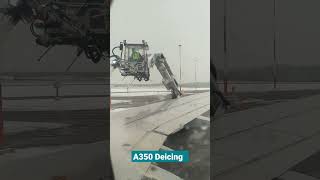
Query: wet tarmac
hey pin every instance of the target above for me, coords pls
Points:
(196, 139)
(55, 137)
(81, 127)
(56, 129)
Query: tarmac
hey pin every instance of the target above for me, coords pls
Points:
(49, 137)
(48, 144)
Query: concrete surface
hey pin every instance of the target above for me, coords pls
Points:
(75, 162)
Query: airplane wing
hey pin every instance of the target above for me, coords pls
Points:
(146, 128)
(265, 142)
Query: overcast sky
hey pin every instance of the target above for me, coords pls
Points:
(251, 32)
(165, 24)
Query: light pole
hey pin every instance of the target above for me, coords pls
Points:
(275, 45)
(180, 65)
(195, 74)
(226, 47)
(1, 117)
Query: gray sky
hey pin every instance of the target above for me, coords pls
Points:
(251, 32)
(164, 24)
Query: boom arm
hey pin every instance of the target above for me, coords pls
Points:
(168, 80)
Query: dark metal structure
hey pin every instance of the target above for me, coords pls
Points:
(80, 23)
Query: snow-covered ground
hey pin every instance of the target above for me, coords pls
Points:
(152, 89)
(141, 93)
(146, 91)
(87, 95)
